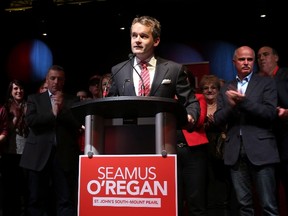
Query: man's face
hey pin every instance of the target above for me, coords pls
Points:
(94, 87)
(267, 61)
(244, 61)
(17, 92)
(210, 91)
(142, 41)
(82, 95)
(55, 80)
(43, 88)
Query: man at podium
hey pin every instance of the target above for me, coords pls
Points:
(146, 74)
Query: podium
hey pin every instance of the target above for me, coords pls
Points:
(127, 174)
(130, 124)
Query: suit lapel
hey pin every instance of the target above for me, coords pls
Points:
(45, 99)
(251, 85)
(160, 72)
(232, 85)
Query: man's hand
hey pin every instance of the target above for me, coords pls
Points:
(57, 102)
(190, 119)
(282, 113)
(234, 97)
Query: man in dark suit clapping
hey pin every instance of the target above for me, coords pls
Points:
(51, 152)
(248, 106)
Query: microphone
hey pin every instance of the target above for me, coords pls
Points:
(142, 81)
(124, 85)
(130, 56)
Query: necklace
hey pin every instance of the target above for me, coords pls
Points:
(211, 108)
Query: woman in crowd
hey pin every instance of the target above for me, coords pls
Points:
(192, 163)
(105, 83)
(13, 176)
(219, 186)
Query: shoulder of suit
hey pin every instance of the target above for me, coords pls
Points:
(122, 63)
(283, 71)
(262, 79)
(119, 65)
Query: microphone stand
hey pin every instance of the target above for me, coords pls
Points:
(131, 56)
(124, 85)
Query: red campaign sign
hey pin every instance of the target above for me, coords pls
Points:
(127, 185)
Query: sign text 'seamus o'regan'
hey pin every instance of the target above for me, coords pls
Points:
(127, 185)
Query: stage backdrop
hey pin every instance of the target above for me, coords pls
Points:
(198, 69)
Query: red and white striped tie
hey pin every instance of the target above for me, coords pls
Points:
(144, 91)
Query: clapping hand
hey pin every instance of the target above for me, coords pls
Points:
(57, 102)
(234, 96)
(282, 113)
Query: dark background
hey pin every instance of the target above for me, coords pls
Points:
(85, 39)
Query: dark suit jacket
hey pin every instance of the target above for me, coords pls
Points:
(281, 126)
(43, 129)
(176, 83)
(255, 116)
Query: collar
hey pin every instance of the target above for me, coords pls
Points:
(49, 93)
(150, 61)
(245, 79)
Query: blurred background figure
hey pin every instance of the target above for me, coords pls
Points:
(192, 163)
(94, 86)
(3, 140)
(105, 83)
(82, 94)
(268, 66)
(222, 82)
(43, 87)
(14, 187)
(3, 128)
